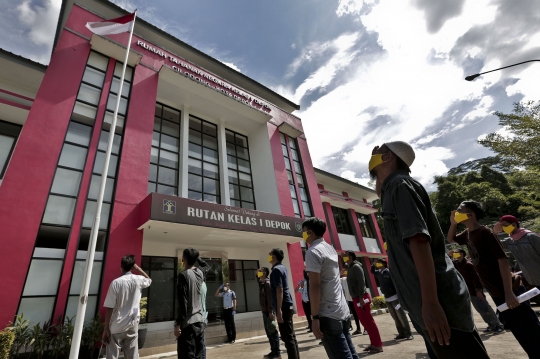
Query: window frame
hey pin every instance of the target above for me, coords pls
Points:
(148, 270)
(12, 149)
(156, 183)
(337, 211)
(219, 195)
(238, 171)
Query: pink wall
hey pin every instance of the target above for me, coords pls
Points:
(71, 252)
(25, 188)
(296, 260)
(331, 228)
(132, 178)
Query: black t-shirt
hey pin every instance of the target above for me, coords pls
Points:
(485, 251)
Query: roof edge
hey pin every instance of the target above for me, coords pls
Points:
(339, 178)
(165, 34)
(23, 60)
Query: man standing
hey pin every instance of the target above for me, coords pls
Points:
(203, 266)
(122, 315)
(331, 316)
(269, 318)
(189, 325)
(380, 269)
(491, 264)
(229, 310)
(362, 302)
(476, 291)
(524, 246)
(427, 284)
(348, 297)
(282, 302)
(303, 288)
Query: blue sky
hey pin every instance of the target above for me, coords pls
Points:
(364, 71)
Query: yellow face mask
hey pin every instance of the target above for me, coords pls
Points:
(456, 255)
(460, 217)
(508, 229)
(378, 265)
(305, 236)
(375, 161)
(259, 274)
(345, 272)
(345, 259)
(269, 259)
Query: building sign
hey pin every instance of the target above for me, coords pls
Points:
(187, 211)
(189, 70)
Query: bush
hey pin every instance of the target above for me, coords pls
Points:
(6, 341)
(378, 303)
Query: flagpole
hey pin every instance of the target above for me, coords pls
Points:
(83, 298)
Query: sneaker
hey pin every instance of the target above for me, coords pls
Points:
(365, 332)
(498, 330)
(488, 330)
(268, 356)
(276, 356)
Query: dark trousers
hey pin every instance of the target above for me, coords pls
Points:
(337, 339)
(525, 326)
(431, 353)
(190, 342)
(463, 345)
(400, 318)
(307, 311)
(286, 330)
(230, 328)
(355, 315)
(271, 333)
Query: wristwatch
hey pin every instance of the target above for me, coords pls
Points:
(315, 317)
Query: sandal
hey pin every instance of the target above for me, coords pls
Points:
(374, 351)
(368, 349)
(358, 331)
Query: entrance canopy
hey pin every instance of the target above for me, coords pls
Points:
(173, 219)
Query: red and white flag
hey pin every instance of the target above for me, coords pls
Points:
(112, 26)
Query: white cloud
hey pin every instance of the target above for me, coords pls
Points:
(232, 66)
(42, 21)
(345, 53)
(351, 176)
(408, 93)
(347, 7)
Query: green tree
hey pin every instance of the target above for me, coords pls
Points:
(521, 145)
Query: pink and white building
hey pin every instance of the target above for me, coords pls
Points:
(204, 157)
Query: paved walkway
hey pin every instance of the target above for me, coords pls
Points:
(498, 346)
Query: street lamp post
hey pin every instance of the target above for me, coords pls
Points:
(472, 77)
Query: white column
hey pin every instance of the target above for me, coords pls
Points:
(184, 141)
(223, 168)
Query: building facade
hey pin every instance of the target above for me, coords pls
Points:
(203, 157)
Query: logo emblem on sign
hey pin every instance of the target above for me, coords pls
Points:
(298, 226)
(169, 207)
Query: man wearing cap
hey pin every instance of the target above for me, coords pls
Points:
(524, 246)
(427, 284)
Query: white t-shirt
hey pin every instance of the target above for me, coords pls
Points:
(124, 298)
(346, 289)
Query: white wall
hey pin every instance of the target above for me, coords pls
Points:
(262, 166)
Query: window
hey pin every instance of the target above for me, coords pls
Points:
(9, 133)
(341, 217)
(203, 161)
(239, 167)
(163, 177)
(365, 225)
(243, 281)
(297, 180)
(161, 295)
(93, 192)
(40, 290)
